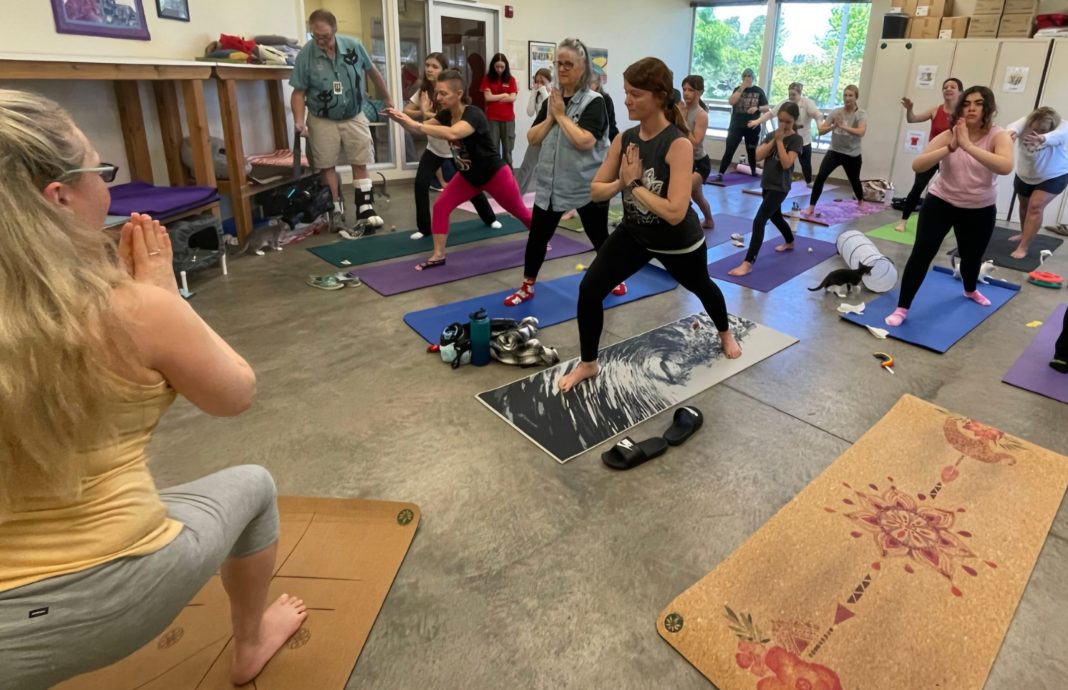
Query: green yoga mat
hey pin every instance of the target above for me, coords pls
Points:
(615, 215)
(365, 250)
(888, 233)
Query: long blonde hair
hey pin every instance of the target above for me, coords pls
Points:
(56, 280)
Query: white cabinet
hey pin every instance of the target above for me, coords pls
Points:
(1055, 94)
(884, 107)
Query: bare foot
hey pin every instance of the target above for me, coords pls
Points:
(809, 211)
(731, 348)
(585, 370)
(1017, 237)
(900, 227)
(784, 247)
(281, 619)
(1019, 253)
(569, 215)
(742, 269)
(709, 224)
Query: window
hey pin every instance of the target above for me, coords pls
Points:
(726, 40)
(820, 45)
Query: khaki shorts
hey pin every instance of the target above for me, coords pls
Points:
(328, 139)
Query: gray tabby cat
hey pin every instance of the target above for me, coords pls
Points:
(266, 235)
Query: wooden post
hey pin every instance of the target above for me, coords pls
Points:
(170, 126)
(197, 123)
(132, 121)
(235, 157)
(278, 114)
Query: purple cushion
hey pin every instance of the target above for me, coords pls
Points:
(141, 197)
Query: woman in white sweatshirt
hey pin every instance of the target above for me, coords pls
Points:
(543, 83)
(1041, 169)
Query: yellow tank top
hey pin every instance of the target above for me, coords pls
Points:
(119, 512)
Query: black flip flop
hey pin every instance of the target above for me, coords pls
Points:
(429, 263)
(685, 424)
(626, 455)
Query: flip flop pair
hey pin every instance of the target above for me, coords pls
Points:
(430, 263)
(628, 453)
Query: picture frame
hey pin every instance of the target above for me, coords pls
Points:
(540, 54)
(103, 18)
(173, 9)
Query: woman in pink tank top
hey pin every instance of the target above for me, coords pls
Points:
(972, 153)
(939, 117)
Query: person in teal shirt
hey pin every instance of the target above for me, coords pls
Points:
(328, 83)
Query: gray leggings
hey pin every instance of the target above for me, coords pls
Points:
(97, 616)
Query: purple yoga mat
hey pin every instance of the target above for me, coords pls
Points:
(837, 212)
(400, 276)
(797, 188)
(141, 197)
(726, 225)
(732, 178)
(1032, 371)
(773, 268)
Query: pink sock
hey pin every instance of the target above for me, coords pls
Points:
(978, 298)
(897, 318)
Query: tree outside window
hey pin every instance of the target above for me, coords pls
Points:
(727, 40)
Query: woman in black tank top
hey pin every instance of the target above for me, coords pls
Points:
(651, 165)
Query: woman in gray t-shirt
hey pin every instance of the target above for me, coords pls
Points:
(849, 123)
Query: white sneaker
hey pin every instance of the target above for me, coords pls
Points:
(496, 225)
(352, 234)
(417, 235)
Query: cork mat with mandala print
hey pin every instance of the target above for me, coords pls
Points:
(906, 558)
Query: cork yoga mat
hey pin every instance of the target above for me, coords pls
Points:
(339, 555)
(899, 567)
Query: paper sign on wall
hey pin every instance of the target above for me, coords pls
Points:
(915, 141)
(925, 76)
(1015, 79)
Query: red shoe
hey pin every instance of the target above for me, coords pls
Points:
(620, 290)
(521, 295)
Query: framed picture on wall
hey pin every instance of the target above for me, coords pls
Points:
(541, 54)
(173, 9)
(599, 59)
(106, 18)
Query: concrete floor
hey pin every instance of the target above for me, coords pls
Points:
(528, 574)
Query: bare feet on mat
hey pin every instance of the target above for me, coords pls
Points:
(1017, 237)
(709, 224)
(809, 211)
(900, 227)
(1019, 253)
(569, 215)
(585, 370)
(788, 246)
(281, 619)
(742, 269)
(731, 348)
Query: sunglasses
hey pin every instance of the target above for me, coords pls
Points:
(107, 171)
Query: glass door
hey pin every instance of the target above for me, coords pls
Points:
(468, 35)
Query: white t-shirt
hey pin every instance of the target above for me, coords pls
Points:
(438, 147)
(809, 111)
(1048, 162)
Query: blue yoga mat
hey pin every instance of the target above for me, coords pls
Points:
(555, 301)
(940, 315)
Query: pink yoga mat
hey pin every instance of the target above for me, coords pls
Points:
(836, 212)
(528, 201)
(1032, 371)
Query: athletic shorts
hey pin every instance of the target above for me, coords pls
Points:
(1054, 186)
(703, 166)
(345, 142)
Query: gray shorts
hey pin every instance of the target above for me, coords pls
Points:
(71, 624)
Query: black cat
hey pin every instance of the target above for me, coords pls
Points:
(850, 277)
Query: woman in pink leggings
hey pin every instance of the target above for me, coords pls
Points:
(481, 168)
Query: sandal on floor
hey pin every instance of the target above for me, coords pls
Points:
(626, 455)
(685, 424)
(330, 282)
(430, 263)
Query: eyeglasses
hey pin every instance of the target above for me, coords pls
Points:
(560, 64)
(107, 171)
(322, 37)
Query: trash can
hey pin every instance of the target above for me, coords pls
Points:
(895, 25)
(857, 249)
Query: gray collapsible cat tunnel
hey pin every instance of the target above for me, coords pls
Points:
(856, 249)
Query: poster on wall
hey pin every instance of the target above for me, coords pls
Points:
(599, 60)
(541, 54)
(106, 18)
(173, 9)
(915, 141)
(1015, 79)
(925, 76)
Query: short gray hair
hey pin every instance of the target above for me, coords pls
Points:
(579, 48)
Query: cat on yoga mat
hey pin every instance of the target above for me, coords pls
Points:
(971, 153)
(480, 166)
(96, 561)
(650, 165)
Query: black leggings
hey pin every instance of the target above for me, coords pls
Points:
(543, 224)
(735, 134)
(806, 162)
(425, 175)
(770, 209)
(971, 226)
(620, 257)
(920, 184)
(831, 160)
(1060, 350)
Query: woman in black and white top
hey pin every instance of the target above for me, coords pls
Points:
(651, 165)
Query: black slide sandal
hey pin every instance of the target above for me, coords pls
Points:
(686, 423)
(627, 454)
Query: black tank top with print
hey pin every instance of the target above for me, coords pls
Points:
(652, 231)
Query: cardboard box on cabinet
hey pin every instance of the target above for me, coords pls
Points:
(984, 7)
(984, 26)
(933, 8)
(924, 27)
(953, 27)
(1015, 25)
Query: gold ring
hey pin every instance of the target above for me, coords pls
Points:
(153, 253)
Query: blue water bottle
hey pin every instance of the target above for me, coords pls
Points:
(480, 337)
